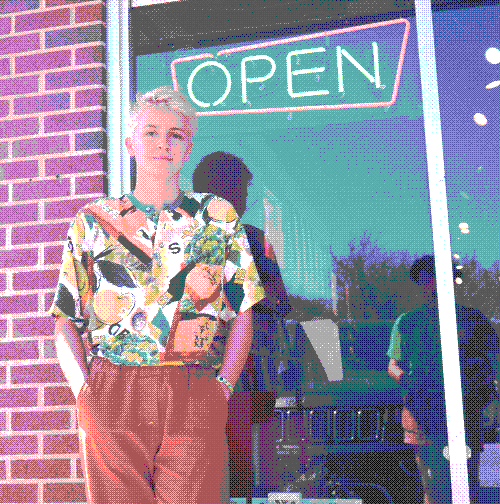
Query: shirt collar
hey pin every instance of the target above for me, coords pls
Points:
(150, 209)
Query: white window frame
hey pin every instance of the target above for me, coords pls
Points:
(118, 92)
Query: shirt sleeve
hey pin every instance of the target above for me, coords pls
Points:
(243, 287)
(74, 288)
(394, 351)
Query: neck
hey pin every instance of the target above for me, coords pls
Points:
(157, 192)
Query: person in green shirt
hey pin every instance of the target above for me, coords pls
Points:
(416, 364)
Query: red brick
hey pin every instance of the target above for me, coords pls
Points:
(20, 492)
(57, 3)
(2, 237)
(20, 85)
(18, 445)
(42, 233)
(90, 141)
(19, 127)
(89, 185)
(64, 492)
(18, 398)
(64, 209)
(40, 20)
(53, 254)
(40, 469)
(5, 66)
(3, 328)
(45, 279)
(20, 43)
(3, 379)
(18, 213)
(89, 13)
(4, 195)
(75, 164)
(44, 61)
(2, 420)
(43, 103)
(3, 281)
(4, 108)
(49, 351)
(4, 152)
(90, 54)
(48, 298)
(19, 169)
(38, 189)
(18, 350)
(79, 471)
(73, 121)
(18, 6)
(90, 98)
(59, 396)
(5, 25)
(71, 36)
(37, 373)
(40, 146)
(19, 304)
(60, 444)
(40, 420)
(73, 78)
(3, 470)
(33, 326)
(18, 257)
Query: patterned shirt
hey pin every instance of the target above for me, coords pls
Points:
(156, 288)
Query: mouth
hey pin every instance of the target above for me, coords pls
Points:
(163, 158)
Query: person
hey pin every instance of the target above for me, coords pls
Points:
(153, 279)
(228, 176)
(415, 362)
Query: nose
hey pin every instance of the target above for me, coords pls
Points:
(163, 143)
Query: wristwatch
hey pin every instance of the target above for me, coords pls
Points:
(226, 382)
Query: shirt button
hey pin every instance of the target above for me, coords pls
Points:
(148, 208)
(161, 245)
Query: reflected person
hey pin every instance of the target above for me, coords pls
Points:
(227, 176)
(416, 364)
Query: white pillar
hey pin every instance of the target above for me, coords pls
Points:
(118, 94)
(442, 252)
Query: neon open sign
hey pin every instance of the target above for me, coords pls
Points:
(351, 67)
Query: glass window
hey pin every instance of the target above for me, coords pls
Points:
(331, 127)
(468, 70)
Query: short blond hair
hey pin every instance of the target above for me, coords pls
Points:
(166, 97)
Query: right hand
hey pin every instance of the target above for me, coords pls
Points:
(77, 386)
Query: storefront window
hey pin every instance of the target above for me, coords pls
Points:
(330, 124)
(468, 70)
(327, 179)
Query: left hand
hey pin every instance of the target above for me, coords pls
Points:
(225, 389)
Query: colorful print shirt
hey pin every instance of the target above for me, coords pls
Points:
(153, 288)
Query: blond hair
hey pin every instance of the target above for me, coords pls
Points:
(166, 97)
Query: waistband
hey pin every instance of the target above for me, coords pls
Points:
(101, 364)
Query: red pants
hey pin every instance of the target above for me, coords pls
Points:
(153, 435)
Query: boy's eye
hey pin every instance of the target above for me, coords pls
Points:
(150, 133)
(177, 136)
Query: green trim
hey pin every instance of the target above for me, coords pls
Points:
(152, 211)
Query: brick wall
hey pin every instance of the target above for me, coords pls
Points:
(52, 119)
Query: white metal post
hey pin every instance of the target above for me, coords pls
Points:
(442, 251)
(118, 94)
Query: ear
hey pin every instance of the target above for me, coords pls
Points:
(128, 145)
(188, 152)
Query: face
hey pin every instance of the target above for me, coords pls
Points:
(161, 143)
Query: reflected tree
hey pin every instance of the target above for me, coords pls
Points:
(373, 283)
